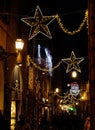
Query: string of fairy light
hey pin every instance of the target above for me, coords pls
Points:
(65, 30)
(30, 61)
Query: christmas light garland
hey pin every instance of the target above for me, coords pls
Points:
(67, 99)
(29, 60)
(65, 30)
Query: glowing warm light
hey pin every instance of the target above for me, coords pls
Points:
(84, 96)
(73, 32)
(57, 90)
(68, 85)
(74, 74)
(13, 108)
(47, 100)
(77, 103)
(19, 44)
(13, 114)
(46, 108)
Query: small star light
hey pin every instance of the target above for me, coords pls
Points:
(38, 24)
(73, 62)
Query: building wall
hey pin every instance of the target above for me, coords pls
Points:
(3, 30)
(91, 53)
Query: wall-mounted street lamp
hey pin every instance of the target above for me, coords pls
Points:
(19, 44)
(16, 88)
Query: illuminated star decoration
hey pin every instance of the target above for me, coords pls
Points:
(38, 24)
(73, 62)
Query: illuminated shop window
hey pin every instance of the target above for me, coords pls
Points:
(13, 114)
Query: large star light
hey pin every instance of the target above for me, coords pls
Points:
(73, 62)
(38, 24)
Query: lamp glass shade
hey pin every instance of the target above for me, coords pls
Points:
(19, 44)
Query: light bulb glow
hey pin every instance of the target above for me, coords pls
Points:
(19, 44)
(74, 74)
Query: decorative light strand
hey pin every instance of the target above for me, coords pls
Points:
(68, 99)
(29, 60)
(86, 15)
(65, 30)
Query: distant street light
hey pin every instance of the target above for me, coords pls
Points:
(74, 74)
(57, 90)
